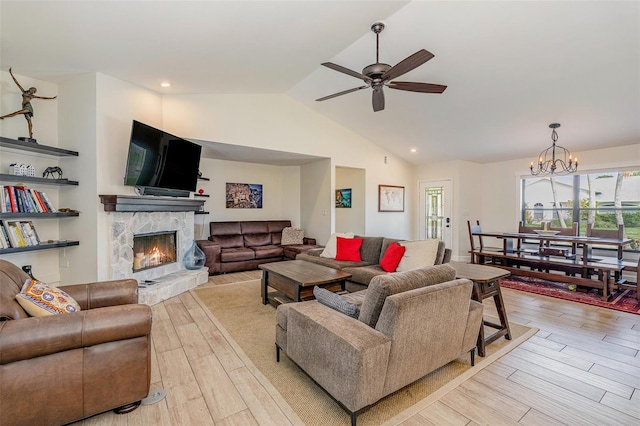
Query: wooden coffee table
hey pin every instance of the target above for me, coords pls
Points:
(295, 279)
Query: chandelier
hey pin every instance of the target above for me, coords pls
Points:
(555, 159)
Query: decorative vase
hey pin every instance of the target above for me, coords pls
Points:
(194, 257)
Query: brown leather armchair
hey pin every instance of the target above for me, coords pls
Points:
(61, 368)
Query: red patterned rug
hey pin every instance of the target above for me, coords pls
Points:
(621, 300)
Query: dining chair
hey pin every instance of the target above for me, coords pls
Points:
(570, 232)
(523, 229)
(607, 233)
(479, 252)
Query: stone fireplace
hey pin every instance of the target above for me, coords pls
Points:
(162, 281)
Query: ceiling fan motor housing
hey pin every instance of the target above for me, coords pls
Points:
(375, 71)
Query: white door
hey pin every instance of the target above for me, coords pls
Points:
(435, 210)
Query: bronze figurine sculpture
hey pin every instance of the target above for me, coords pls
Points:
(27, 109)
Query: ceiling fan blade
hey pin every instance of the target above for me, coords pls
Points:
(341, 93)
(407, 64)
(378, 99)
(347, 71)
(417, 87)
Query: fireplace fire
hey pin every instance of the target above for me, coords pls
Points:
(153, 250)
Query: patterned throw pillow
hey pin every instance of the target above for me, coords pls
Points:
(336, 302)
(292, 236)
(39, 299)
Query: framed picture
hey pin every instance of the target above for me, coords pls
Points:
(343, 198)
(390, 198)
(244, 196)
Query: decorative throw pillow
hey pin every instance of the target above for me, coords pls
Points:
(392, 257)
(418, 254)
(331, 247)
(292, 236)
(348, 249)
(336, 302)
(39, 299)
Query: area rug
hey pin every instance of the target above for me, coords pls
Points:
(621, 300)
(238, 308)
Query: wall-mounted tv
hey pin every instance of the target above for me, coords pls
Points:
(160, 163)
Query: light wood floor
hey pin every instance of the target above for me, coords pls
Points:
(581, 368)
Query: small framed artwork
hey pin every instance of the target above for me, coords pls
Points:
(343, 198)
(244, 195)
(390, 198)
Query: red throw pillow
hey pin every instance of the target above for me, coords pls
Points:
(392, 257)
(348, 249)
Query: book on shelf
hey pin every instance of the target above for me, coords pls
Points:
(14, 236)
(48, 203)
(12, 199)
(34, 199)
(4, 237)
(18, 234)
(7, 200)
(20, 199)
(28, 201)
(28, 231)
(39, 197)
(23, 203)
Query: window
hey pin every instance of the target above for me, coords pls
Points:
(604, 199)
(538, 212)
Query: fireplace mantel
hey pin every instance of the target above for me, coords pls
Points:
(127, 203)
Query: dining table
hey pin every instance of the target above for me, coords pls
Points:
(562, 258)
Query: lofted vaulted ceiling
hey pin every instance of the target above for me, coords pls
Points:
(511, 67)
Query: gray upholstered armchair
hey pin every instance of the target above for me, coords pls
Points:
(410, 324)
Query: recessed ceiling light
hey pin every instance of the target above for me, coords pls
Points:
(165, 84)
(414, 150)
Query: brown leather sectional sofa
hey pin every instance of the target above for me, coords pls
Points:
(61, 368)
(243, 245)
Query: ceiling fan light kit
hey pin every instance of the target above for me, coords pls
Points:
(556, 159)
(378, 75)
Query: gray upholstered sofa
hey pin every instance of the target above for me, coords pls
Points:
(410, 324)
(371, 252)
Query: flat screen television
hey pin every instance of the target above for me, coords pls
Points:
(160, 163)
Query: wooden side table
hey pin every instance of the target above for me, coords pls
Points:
(486, 283)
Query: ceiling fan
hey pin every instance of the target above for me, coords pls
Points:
(379, 75)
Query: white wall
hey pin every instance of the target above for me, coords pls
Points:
(280, 192)
(77, 119)
(118, 104)
(501, 189)
(352, 219)
(491, 192)
(45, 131)
(277, 122)
(315, 210)
(95, 118)
(467, 196)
